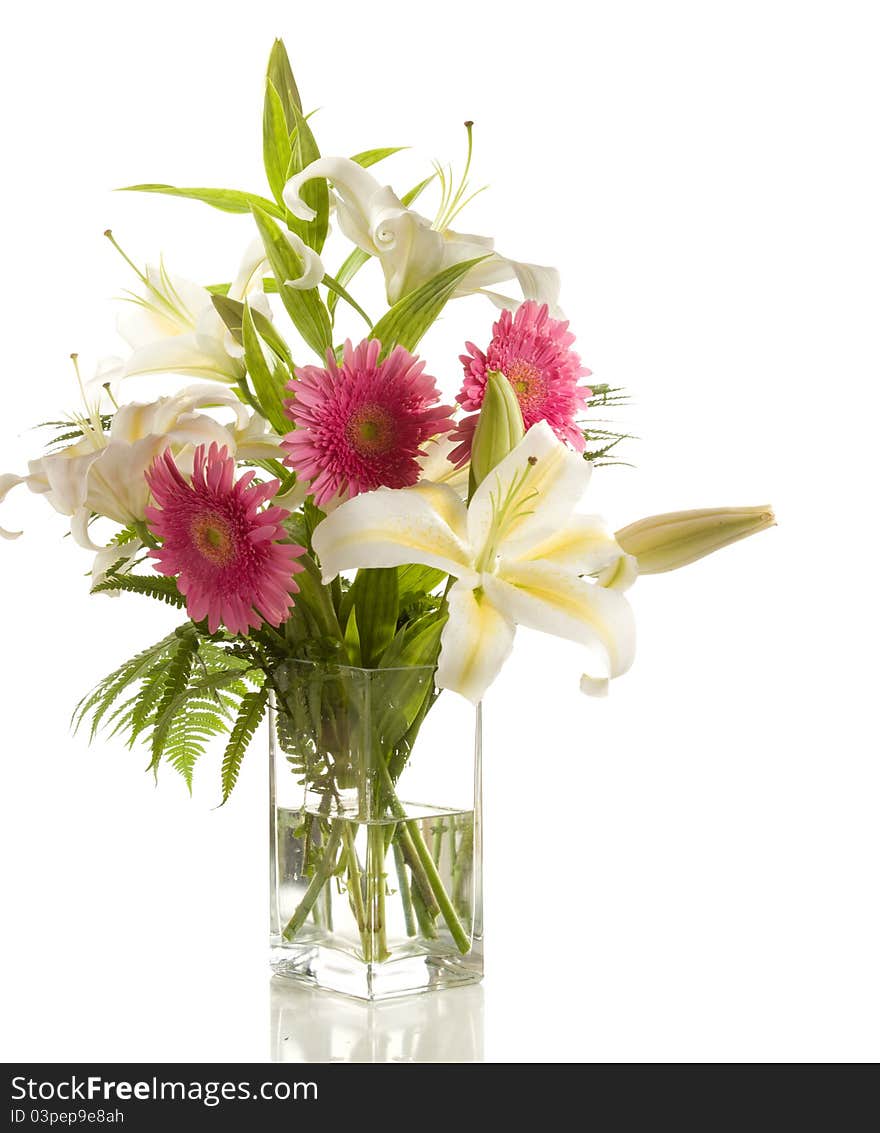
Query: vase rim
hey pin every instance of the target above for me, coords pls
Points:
(335, 665)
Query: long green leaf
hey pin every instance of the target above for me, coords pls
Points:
(276, 142)
(231, 311)
(268, 384)
(306, 310)
(338, 292)
(227, 200)
(304, 150)
(409, 318)
(369, 157)
(280, 74)
(375, 610)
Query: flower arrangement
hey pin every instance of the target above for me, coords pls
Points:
(318, 510)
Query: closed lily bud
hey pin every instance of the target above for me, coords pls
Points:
(499, 429)
(666, 542)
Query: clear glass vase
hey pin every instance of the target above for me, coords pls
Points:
(376, 854)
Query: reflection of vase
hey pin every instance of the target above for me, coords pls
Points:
(309, 1027)
(376, 831)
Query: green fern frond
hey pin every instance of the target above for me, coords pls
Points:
(154, 586)
(177, 676)
(250, 713)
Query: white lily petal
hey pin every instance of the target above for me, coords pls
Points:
(475, 643)
(393, 527)
(251, 270)
(294, 498)
(529, 496)
(8, 481)
(583, 545)
(591, 686)
(107, 556)
(313, 268)
(555, 601)
(439, 469)
(353, 183)
(620, 574)
(79, 529)
(185, 354)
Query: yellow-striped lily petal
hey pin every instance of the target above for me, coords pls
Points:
(527, 497)
(396, 526)
(476, 641)
(584, 546)
(555, 601)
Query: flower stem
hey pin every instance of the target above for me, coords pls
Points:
(319, 878)
(405, 892)
(376, 891)
(355, 891)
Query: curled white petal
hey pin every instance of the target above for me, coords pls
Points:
(354, 184)
(313, 269)
(593, 686)
(8, 481)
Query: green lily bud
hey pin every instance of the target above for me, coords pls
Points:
(499, 428)
(666, 542)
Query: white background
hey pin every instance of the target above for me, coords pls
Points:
(686, 871)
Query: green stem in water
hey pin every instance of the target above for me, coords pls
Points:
(454, 925)
(319, 878)
(376, 891)
(355, 891)
(405, 892)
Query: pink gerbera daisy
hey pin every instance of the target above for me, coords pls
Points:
(534, 353)
(223, 549)
(361, 425)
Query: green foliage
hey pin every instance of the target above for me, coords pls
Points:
(280, 74)
(276, 142)
(376, 606)
(370, 157)
(231, 311)
(303, 151)
(227, 200)
(408, 320)
(307, 312)
(153, 586)
(250, 713)
(269, 384)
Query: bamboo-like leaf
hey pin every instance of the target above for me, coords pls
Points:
(306, 310)
(415, 579)
(409, 318)
(280, 74)
(339, 292)
(231, 311)
(227, 200)
(276, 142)
(250, 713)
(304, 150)
(268, 383)
(376, 605)
(369, 157)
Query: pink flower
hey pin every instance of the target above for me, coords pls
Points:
(223, 549)
(534, 353)
(362, 425)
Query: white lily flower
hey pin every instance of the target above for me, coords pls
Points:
(104, 472)
(174, 328)
(438, 468)
(411, 248)
(518, 552)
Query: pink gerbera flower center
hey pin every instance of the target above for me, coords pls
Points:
(361, 424)
(212, 537)
(370, 430)
(533, 351)
(226, 551)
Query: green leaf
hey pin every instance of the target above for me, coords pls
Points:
(268, 384)
(409, 318)
(165, 589)
(307, 312)
(250, 713)
(231, 311)
(415, 579)
(304, 150)
(370, 157)
(276, 142)
(177, 674)
(339, 292)
(375, 610)
(356, 259)
(227, 200)
(280, 74)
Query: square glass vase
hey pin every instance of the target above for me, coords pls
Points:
(376, 831)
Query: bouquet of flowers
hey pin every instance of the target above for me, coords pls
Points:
(351, 552)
